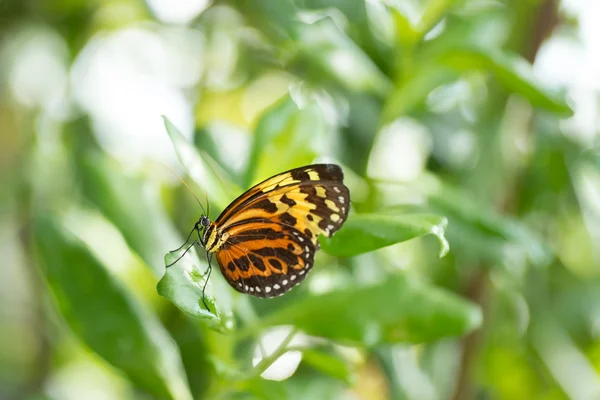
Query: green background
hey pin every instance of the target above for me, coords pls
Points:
(467, 268)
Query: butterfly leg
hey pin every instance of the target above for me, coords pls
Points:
(184, 243)
(207, 274)
(181, 256)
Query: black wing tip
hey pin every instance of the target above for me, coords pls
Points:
(328, 172)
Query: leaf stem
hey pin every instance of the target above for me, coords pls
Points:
(274, 356)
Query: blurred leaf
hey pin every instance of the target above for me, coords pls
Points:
(413, 90)
(274, 124)
(512, 71)
(183, 284)
(397, 310)
(131, 206)
(325, 45)
(434, 12)
(202, 169)
(105, 316)
(477, 224)
(267, 390)
(406, 33)
(328, 364)
(362, 233)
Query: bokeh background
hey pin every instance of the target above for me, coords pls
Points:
(468, 123)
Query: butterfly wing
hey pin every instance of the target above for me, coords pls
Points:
(270, 232)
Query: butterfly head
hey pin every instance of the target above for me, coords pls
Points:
(203, 222)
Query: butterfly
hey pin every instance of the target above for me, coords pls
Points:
(265, 241)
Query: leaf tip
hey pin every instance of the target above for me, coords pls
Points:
(439, 231)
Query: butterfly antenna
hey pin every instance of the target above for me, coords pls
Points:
(207, 205)
(186, 185)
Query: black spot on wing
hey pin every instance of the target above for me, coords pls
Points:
(275, 264)
(283, 254)
(242, 263)
(257, 262)
(266, 205)
(286, 200)
(287, 219)
(300, 174)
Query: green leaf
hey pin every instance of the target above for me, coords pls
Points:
(413, 91)
(362, 233)
(407, 34)
(203, 170)
(269, 126)
(322, 42)
(393, 311)
(183, 285)
(135, 210)
(476, 227)
(328, 364)
(105, 316)
(512, 71)
(285, 138)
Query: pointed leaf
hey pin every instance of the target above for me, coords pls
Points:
(105, 316)
(362, 233)
(205, 171)
(512, 71)
(135, 210)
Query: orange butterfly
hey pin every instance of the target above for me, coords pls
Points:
(265, 240)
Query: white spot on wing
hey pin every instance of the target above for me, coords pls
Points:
(267, 289)
(246, 287)
(258, 289)
(276, 286)
(341, 199)
(251, 289)
(337, 189)
(300, 238)
(306, 249)
(302, 272)
(285, 282)
(293, 277)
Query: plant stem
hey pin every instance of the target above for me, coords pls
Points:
(274, 356)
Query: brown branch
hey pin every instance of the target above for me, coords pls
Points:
(545, 21)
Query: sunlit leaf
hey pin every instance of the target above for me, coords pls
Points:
(362, 233)
(284, 139)
(101, 312)
(512, 71)
(132, 205)
(205, 171)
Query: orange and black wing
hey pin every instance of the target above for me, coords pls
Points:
(271, 230)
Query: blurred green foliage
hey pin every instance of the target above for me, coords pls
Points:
(466, 269)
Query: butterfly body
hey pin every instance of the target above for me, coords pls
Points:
(265, 240)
